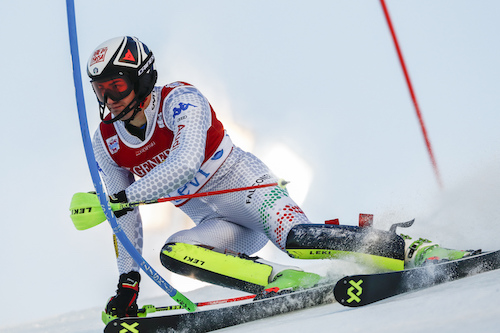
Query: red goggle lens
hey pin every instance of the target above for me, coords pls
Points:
(116, 89)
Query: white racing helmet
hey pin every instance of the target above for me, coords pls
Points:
(116, 68)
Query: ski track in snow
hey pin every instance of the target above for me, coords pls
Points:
(467, 305)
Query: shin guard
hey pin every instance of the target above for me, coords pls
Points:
(236, 271)
(383, 250)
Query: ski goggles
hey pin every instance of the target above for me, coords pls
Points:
(116, 88)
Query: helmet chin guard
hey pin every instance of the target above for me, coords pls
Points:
(122, 57)
(126, 110)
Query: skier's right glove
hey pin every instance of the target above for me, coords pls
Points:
(124, 303)
(120, 197)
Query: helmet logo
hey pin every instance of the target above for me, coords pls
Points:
(146, 65)
(98, 56)
(129, 57)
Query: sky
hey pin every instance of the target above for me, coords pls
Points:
(314, 88)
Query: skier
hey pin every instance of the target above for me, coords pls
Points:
(169, 137)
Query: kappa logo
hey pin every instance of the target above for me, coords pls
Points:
(355, 296)
(182, 107)
(98, 56)
(132, 328)
(113, 144)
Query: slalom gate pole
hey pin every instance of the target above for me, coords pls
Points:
(412, 93)
(92, 164)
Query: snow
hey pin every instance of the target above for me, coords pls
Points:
(466, 305)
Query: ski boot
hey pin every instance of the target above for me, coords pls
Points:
(124, 303)
(290, 280)
(424, 252)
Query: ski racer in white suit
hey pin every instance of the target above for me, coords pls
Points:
(170, 138)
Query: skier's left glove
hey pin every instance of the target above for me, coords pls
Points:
(124, 303)
(120, 197)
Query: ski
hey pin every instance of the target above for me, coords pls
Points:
(359, 290)
(210, 320)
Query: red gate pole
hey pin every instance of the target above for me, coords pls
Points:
(412, 93)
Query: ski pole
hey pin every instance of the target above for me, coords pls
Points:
(281, 183)
(146, 309)
(87, 143)
(86, 211)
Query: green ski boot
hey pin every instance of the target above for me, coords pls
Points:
(424, 252)
(290, 280)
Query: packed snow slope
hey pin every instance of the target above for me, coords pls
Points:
(467, 305)
(463, 216)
